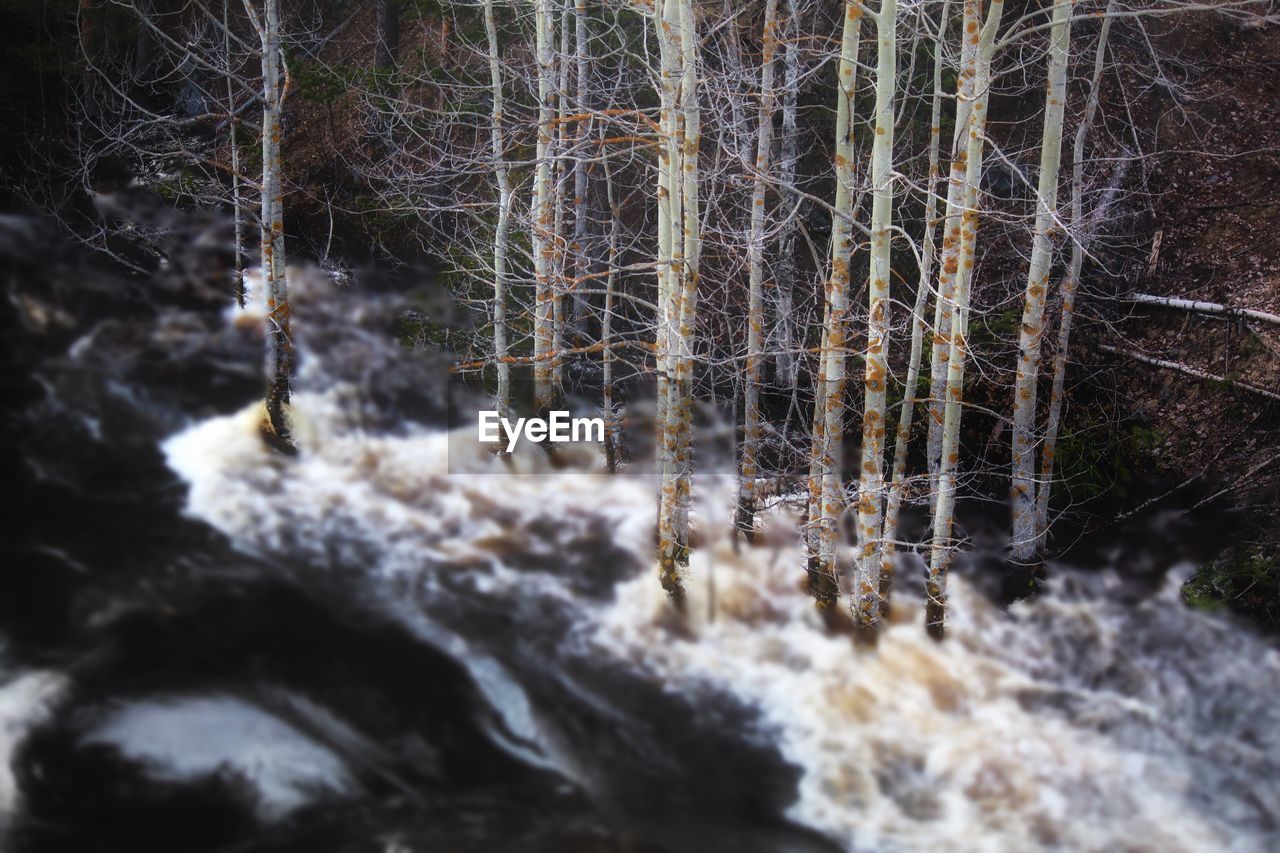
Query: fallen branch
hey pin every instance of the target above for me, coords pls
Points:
(1190, 371)
(1199, 307)
(1243, 481)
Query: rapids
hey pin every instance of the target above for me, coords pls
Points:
(1071, 721)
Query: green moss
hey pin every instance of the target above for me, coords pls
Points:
(1246, 582)
(1003, 326)
(1100, 460)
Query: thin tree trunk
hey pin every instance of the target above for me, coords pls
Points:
(544, 250)
(923, 285)
(876, 371)
(943, 515)
(670, 275)
(690, 142)
(560, 288)
(606, 323)
(387, 47)
(1069, 284)
(237, 212)
(823, 585)
(1022, 493)
(787, 360)
(940, 350)
(581, 208)
(279, 360)
(500, 237)
(828, 442)
(755, 278)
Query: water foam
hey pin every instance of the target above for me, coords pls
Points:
(1073, 722)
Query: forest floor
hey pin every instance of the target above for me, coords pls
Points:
(1213, 234)
(1215, 196)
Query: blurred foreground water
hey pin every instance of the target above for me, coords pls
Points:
(211, 646)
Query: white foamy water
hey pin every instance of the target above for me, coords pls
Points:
(1075, 723)
(919, 745)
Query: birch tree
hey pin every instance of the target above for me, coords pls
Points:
(679, 251)
(1023, 487)
(279, 362)
(233, 147)
(876, 371)
(982, 38)
(940, 349)
(500, 237)
(826, 477)
(1070, 282)
(544, 214)
(906, 415)
(689, 137)
(755, 279)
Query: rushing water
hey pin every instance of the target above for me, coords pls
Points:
(365, 647)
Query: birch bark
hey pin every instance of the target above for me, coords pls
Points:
(755, 280)
(906, 416)
(671, 276)
(500, 237)
(543, 214)
(690, 138)
(943, 515)
(1069, 283)
(875, 374)
(828, 440)
(940, 349)
(1022, 494)
(279, 350)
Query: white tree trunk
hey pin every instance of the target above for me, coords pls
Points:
(944, 307)
(1069, 284)
(500, 238)
(1187, 370)
(923, 285)
(279, 360)
(678, 288)
(690, 138)
(829, 439)
(755, 279)
(543, 214)
(1022, 494)
(944, 508)
(876, 373)
(1211, 308)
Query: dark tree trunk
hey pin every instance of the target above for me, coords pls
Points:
(388, 46)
